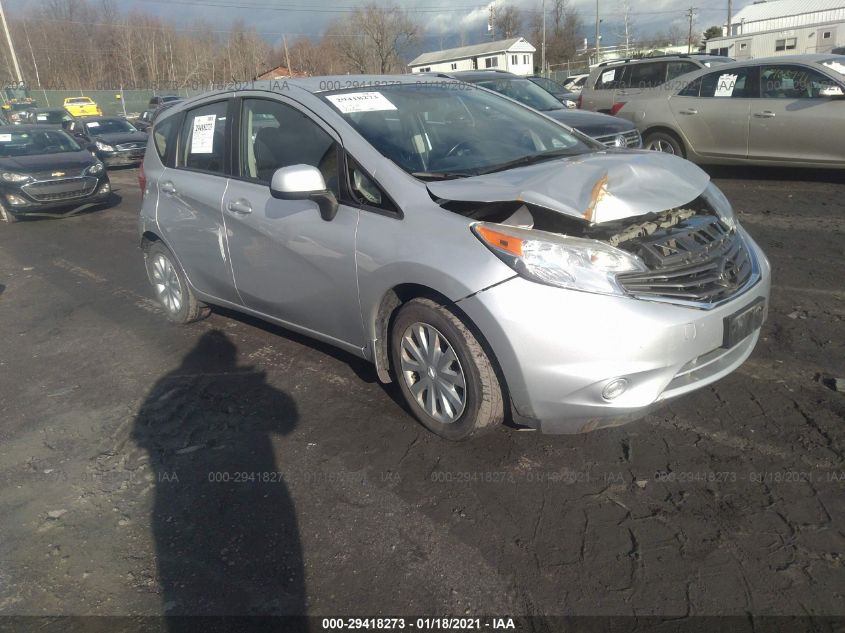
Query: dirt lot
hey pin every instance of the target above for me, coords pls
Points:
(230, 467)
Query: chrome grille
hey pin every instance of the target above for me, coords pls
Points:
(632, 139)
(60, 189)
(704, 262)
(128, 146)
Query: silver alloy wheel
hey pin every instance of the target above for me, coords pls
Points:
(166, 284)
(660, 145)
(433, 373)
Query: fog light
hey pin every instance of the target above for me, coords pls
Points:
(104, 189)
(15, 201)
(614, 389)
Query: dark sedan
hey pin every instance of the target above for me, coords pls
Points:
(46, 116)
(566, 97)
(44, 170)
(608, 130)
(118, 142)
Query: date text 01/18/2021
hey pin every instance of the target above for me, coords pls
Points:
(422, 624)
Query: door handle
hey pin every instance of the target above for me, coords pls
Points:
(239, 206)
(167, 187)
(765, 114)
(689, 111)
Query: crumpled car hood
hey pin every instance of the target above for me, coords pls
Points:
(598, 187)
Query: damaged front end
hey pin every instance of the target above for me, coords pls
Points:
(692, 253)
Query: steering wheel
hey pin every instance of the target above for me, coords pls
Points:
(457, 149)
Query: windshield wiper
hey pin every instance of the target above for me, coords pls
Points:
(440, 175)
(527, 160)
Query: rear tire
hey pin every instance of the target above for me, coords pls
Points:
(171, 286)
(664, 142)
(443, 372)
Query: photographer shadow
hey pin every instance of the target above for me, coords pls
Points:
(225, 528)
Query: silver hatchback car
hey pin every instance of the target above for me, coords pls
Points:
(493, 262)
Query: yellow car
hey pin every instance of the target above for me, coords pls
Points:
(82, 106)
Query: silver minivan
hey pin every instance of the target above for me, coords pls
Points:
(493, 262)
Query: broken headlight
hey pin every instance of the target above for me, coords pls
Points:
(721, 205)
(558, 260)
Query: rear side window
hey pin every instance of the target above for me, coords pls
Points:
(163, 134)
(646, 75)
(203, 138)
(676, 69)
(610, 78)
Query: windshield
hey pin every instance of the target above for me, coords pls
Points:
(524, 91)
(35, 142)
(836, 64)
(109, 126)
(53, 117)
(78, 100)
(449, 129)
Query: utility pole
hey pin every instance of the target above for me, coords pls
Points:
(287, 55)
(11, 46)
(730, 16)
(543, 49)
(691, 14)
(598, 34)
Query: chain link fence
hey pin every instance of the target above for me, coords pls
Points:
(114, 102)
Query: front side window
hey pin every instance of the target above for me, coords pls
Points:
(274, 135)
(726, 84)
(365, 190)
(203, 138)
(793, 82)
(433, 130)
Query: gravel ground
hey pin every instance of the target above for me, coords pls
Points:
(231, 467)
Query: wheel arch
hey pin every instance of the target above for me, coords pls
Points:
(665, 129)
(398, 296)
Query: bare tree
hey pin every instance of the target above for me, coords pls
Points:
(507, 22)
(375, 39)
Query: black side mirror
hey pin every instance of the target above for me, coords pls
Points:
(304, 182)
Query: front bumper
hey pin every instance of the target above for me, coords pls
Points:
(119, 158)
(20, 203)
(558, 349)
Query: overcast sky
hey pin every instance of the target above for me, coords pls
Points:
(443, 20)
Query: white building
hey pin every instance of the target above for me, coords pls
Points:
(514, 55)
(782, 27)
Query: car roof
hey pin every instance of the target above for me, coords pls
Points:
(27, 127)
(89, 119)
(809, 58)
(326, 83)
(659, 58)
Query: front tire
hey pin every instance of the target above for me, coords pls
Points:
(171, 286)
(664, 142)
(7, 216)
(443, 372)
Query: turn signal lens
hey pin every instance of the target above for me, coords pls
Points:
(500, 241)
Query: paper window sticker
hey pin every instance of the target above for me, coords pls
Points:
(202, 139)
(361, 102)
